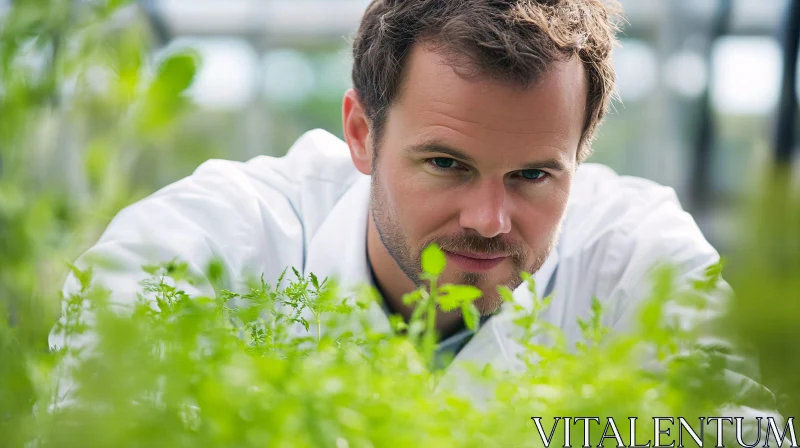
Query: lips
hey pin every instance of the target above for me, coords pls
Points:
(474, 262)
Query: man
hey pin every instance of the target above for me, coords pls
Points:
(467, 126)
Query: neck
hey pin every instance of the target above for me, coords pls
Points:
(394, 283)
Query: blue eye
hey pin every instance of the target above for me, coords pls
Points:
(532, 174)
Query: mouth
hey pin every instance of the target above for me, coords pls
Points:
(475, 262)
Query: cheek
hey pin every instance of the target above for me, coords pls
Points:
(539, 220)
(419, 207)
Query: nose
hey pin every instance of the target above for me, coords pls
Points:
(484, 209)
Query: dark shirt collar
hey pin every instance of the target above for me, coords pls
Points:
(451, 345)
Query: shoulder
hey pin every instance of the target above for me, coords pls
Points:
(244, 212)
(317, 156)
(627, 210)
(311, 177)
(618, 228)
(604, 202)
(260, 184)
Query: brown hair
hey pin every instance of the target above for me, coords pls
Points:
(508, 40)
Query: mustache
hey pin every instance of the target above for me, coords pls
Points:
(496, 246)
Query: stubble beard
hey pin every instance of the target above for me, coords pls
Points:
(393, 238)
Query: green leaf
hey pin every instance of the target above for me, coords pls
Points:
(214, 272)
(454, 296)
(84, 276)
(448, 302)
(397, 323)
(151, 269)
(472, 317)
(175, 74)
(280, 277)
(314, 281)
(597, 309)
(528, 278)
(412, 297)
(433, 260)
(505, 294)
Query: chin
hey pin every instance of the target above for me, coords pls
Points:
(488, 304)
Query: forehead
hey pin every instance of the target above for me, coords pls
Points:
(436, 102)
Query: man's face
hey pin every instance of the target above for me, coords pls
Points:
(482, 168)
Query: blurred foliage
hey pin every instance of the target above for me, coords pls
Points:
(85, 116)
(299, 365)
(79, 107)
(765, 273)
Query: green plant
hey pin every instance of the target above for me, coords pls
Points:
(293, 363)
(243, 369)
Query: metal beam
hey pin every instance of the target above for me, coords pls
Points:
(787, 106)
(160, 28)
(700, 182)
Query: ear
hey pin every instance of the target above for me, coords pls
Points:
(357, 131)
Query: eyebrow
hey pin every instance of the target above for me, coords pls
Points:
(437, 147)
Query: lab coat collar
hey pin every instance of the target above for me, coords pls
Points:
(338, 250)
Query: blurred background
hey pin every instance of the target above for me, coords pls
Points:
(102, 102)
(700, 83)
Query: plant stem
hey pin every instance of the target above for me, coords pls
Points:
(319, 329)
(317, 319)
(430, 333)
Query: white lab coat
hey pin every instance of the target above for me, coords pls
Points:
(309, 210)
